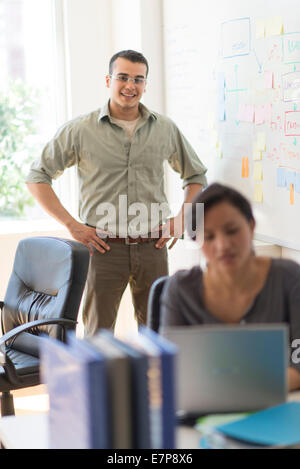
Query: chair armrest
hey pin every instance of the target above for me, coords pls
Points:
(2, 358)
(6, 362)
(29, 325)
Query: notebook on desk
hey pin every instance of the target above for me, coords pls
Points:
(230, 368)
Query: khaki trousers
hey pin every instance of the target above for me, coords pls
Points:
(109, 273)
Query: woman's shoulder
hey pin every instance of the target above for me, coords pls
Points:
(185, 277)
(287, 268)
(286, 265)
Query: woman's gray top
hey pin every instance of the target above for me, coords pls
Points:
(278, 301)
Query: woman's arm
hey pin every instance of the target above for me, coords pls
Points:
(293, 379)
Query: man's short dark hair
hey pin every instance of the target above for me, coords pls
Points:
(132, 55)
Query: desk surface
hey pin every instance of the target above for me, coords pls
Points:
(31, 431)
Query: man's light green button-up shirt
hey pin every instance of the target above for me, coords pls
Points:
(116, 175)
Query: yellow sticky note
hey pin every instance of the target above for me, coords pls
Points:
(261, 141)
(214, 138)
(258, 172)
(260, 28)
(258, 193)
(256, 152)
(274, 26)
(292, 194)
(219, 152)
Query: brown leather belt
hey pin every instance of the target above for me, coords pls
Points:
(129, 240)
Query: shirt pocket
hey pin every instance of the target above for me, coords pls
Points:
(150, 181)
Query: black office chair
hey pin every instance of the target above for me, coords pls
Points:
(43, 297)
(153, 309)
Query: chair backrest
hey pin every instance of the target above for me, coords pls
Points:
(47, 281)
(153, 313)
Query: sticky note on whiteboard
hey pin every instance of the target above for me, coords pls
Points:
(246, 113)
(261, 141)
(297, 184)
(245, 167)
(260, 28)
(219, 153)
(221, 96)
(274, 26)
(258, 172)
(290, 178)
(257, 155)
(281, 177)
(259, 115)
(268, 79)
(292, 194)
(258, 192)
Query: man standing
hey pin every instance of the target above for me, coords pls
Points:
(119, 152)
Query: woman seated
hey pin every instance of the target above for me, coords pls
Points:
(236, 287)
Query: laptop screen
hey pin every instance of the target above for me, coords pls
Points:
(230, 368)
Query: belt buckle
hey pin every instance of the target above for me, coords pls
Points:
(129, 242)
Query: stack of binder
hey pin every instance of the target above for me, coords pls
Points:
(108, 393)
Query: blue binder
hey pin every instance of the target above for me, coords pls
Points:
(140, 396)
(168, 353)
(77, 385)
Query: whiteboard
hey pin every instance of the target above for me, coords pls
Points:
(233, 87)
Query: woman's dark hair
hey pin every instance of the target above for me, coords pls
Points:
(213, 195)
(132, 56)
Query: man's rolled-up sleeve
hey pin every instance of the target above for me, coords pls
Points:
(57, 155)
(185, 161)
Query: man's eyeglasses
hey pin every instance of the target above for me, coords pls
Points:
(125, 79)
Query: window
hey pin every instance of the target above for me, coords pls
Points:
(31, 80)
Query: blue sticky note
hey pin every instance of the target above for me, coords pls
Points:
(290, 178)
(277, 425)
(221, 82)
(281, 177)
(221, 110)
(221, 96)
(297, 183)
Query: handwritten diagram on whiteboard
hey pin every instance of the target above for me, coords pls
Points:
(247, 60)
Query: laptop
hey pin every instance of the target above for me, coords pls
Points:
(230, 368)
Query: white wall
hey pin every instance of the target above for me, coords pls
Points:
(88, 36)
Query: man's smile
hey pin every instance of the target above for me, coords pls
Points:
(127, 95)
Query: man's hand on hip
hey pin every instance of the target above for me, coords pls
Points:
(87, 235)
(172, 229)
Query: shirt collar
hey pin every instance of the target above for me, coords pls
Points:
(145, 112)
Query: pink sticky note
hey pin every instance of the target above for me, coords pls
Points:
(268, 111)
(259, 114)
(241, 113)
(268, 79)
(249, 113)
(246, 113)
